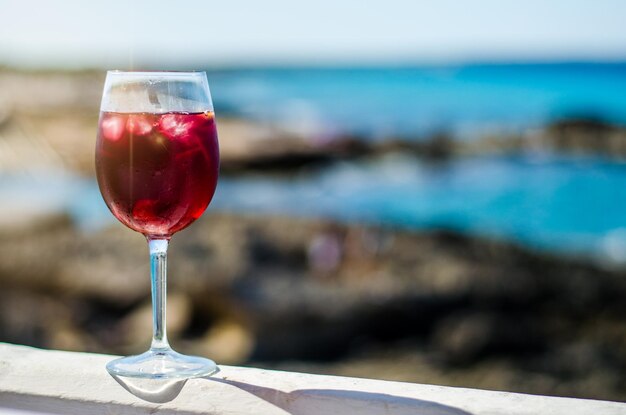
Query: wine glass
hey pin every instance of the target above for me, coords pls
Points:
(157, 162)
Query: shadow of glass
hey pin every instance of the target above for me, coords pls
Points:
(152, 390)
(345, 402)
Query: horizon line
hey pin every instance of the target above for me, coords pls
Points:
(330, 64)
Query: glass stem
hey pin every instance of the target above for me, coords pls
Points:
(158, 278)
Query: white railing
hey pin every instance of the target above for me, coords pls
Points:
(41, 381)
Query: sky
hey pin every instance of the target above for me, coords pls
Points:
(132, 33)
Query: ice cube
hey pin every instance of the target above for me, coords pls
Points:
(112, 127)
(173, 125)
(139, 125)
(181, 125)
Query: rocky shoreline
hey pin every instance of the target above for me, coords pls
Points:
(247, 146)
(434, 307)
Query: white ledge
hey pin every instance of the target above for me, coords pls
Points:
(69, 383)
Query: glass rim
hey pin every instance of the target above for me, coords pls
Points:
(153, 73)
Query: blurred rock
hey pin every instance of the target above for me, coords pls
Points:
(228, 342)
(586, 135)
(266, 290)
(30, 222)
(137, 325)
(466, 338)
(38, 92)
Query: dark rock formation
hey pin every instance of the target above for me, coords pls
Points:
(336, 298)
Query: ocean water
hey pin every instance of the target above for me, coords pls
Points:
(566, 204)
(413, 102)
(561, 204)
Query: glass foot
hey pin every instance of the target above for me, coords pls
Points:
(162, 364)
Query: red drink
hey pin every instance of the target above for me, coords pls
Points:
(157, 172)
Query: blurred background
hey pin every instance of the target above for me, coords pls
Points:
(431, 192)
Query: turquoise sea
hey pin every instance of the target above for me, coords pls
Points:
(563, 204)
(465, 100)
